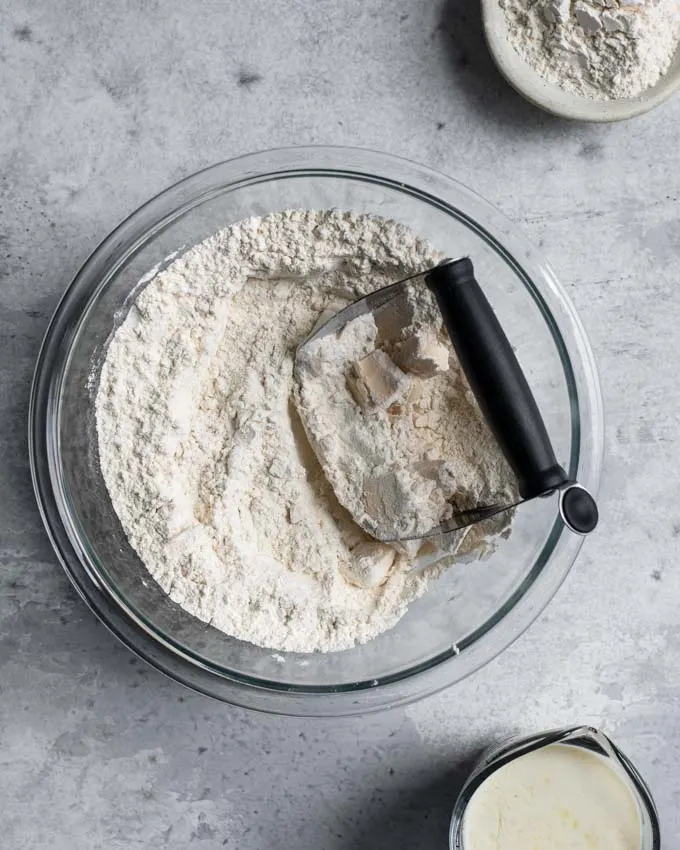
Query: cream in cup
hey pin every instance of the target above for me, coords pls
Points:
(571, 789)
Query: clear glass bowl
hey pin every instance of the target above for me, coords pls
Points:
(477, 608)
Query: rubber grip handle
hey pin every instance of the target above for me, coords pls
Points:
(496, 378)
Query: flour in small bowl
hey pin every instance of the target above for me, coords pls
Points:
(600, 49)
(203, 452)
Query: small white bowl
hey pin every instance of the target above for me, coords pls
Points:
(551, 97)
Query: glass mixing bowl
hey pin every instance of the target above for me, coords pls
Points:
(476, 609)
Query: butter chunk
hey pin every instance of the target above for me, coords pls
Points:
(587, 18)
(369, 565)
(424, 355)
(378, 380)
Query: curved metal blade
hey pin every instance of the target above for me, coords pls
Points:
(368, 304)
(458, 521)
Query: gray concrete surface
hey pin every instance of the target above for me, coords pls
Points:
(104, 104)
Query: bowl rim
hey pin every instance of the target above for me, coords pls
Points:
(518, 612)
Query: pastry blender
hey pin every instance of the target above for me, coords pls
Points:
(499, 385)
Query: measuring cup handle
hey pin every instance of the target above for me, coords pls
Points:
(496, 378)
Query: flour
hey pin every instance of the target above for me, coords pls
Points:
(202, 451)
(404, 446)
(601, 49)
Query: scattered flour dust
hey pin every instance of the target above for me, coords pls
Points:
(601, 49)
(203, 452)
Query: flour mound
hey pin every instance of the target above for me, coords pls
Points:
(394, 423)
(601, 49)
(204, 455)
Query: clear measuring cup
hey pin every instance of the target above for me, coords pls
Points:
(584, 737)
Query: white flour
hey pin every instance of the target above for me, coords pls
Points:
(204, 457)
(602, 49)
(394, 423)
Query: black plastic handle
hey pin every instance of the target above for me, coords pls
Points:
(496, 378)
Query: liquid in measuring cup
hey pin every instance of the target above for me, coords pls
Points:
(564, 790)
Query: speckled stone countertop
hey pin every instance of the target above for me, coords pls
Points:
(104, 104)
